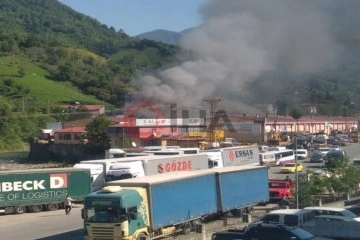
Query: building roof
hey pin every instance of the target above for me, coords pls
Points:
(71, 130)
(94, 107)
(288, 119)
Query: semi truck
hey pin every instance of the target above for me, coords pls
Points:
(131, 167)
(163, 204)
(35, 190)
(233, 156)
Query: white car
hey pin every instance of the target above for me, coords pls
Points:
(301, 153)
(335, 148)
(324, 150)
(333, 211)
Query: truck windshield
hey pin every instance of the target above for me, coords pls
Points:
(105, 216)
(109, 178)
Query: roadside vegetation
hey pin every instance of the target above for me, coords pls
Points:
(333, 183)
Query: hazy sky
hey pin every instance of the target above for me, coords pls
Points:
(139, 16)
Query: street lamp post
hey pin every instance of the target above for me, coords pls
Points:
(296, 175)
(123, 133)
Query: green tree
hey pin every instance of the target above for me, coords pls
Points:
(344, 177)
(311, 185)
(97, 132)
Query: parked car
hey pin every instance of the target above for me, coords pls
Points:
(317, 157)
(354, 209)
(265, 231)
(301, 153)
(324, 150)
(329, 218)
(291, 168)
(335, 148)
(334, 211)
(330, 156)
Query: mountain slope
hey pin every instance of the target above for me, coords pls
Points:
(164, 36)
(75, 49)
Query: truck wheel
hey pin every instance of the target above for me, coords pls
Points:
(186, 227)
(20, 209)
(195, 223)
(36, 208)
(141, 236)
(52, 206)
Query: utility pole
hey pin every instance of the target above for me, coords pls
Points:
(296, 174)
(213, 102)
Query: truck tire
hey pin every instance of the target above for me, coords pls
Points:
(20, 209)
(187, 227)
(36, 208)
(141, 236)
(195, 223)
(52, 206)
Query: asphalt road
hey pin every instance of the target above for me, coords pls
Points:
(53, 225)
(56, 225)
(352, 152)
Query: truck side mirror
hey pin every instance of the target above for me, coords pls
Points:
(83, 213)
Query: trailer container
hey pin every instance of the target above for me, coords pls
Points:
(233, 156)
(164, 204)
(140, 166)
(36, 190)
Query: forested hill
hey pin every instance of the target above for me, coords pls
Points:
(72, 48)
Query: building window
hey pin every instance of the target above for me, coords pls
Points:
(65, 136)
(77, 136)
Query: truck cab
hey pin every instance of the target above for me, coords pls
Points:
(279, 189)
(124, 170)
(96, 172)
(114, 208)
(214, 157)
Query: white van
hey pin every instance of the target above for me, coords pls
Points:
(267, 158)
(301, 153)
(276, 148)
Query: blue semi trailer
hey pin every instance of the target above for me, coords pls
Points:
(162, 204)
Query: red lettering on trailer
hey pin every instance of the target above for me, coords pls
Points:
(160, 168)
(231, 155)
(177, 166)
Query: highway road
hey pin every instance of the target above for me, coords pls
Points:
(53, 225)
(352, 152)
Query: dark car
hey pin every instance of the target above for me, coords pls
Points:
(330, 156)
(263, 231)
(354, 209)
(317, 157)
(230, 234)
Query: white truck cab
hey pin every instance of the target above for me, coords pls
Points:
(124, 170)
(96, 172)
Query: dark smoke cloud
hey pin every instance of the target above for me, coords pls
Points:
(241, 40)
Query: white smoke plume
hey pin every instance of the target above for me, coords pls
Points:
(241, 40)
